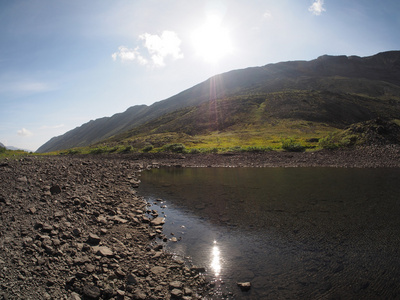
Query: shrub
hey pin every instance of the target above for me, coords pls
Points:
(194, 151)
(148, 148)
(235, 149)
(258, 149)
(2, 149)
(291, 146)
(113, 149)
(127, 149)
(349, 140)
(337, 140)
(72, 151)
(98, 151)
(176, 148)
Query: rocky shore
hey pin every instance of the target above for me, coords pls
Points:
(73, 227)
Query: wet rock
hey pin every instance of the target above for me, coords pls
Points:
(158, 221)
(244, 286)
(198, 269)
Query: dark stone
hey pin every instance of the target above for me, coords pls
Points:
(131, 279)
(91, 291)
(93, 239)
(55, 189)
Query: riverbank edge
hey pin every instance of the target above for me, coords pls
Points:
(360, 157)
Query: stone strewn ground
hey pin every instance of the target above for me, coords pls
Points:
(74, 227)
(363, 157)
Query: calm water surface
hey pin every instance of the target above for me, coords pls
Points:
(292, 232)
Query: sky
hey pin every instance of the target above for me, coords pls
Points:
(66, 62)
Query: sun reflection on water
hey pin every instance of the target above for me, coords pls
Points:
(216, 260)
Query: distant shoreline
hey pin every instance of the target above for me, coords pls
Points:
(360, 157)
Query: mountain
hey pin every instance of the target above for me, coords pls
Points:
(12, 148)
(337, 90)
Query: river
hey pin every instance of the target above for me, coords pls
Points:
(291, 232)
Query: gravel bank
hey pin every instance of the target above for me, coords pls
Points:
(74, 228)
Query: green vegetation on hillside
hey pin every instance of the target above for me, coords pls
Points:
(5, 153)
(329, 91)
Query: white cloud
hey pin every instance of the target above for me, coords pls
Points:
(168, 44)
(317, 7)
(24, 132)
(126, 54)
(158, 47)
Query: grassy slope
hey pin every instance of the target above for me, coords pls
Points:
(337, 91)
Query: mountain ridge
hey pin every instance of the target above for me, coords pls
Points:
(376, 76)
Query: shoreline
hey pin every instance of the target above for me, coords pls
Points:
(73, 227)
(361, 157)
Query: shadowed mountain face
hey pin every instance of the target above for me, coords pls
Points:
(336, 90)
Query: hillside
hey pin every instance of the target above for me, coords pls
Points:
(334, 90)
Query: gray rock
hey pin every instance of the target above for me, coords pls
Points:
(47, 227)
(131, 279)
(103, 251)
(158, 270)
(75, 296)
(93, 239)
(22, 179)
(91, 291)
(175, 285)
(76, 232)
(140, 295)
(118, 219)
(176, 293)
(90, 268)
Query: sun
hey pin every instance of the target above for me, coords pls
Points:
(212, 41)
